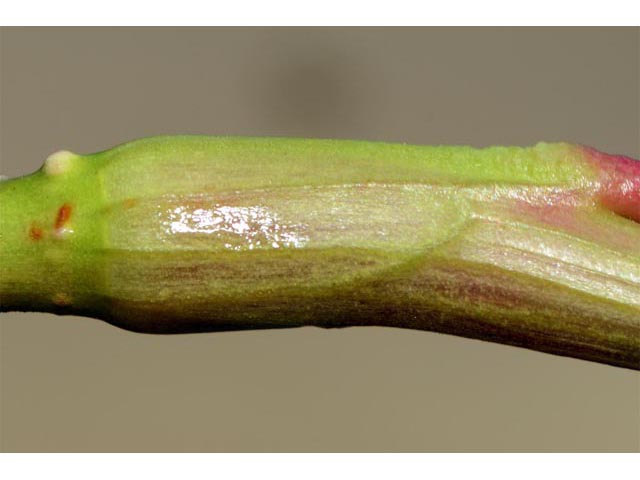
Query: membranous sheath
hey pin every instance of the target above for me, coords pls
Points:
(530, 246)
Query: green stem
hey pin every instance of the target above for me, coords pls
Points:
(520, 246)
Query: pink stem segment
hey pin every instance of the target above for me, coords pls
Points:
(619, 182)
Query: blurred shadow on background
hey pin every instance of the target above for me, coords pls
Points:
(314, 88)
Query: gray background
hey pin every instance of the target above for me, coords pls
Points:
(77, 384)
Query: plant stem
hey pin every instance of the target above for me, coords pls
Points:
(536, 247)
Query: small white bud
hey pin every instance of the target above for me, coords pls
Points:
(59, 162)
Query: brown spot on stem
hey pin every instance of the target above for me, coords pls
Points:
(61, 299)
(64, 213)
(129, 203)
(35, 233)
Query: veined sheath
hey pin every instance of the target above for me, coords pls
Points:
(536, 247)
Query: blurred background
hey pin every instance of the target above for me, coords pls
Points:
(77, 384)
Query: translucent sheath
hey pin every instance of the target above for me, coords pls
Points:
(536, 247)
